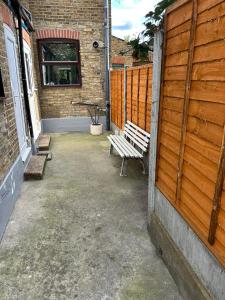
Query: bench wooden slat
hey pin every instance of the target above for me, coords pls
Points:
(139, 129)
(116, 147)
(125, 141)
(143, 143)
(124, 149)
(126, 145)
(135, 141)
(143, 137)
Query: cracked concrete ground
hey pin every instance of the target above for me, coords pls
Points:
(81, 233)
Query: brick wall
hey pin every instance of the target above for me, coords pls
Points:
(118, 46)
(87, 18)
(9, 147)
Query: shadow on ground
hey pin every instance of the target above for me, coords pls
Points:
(81, 233)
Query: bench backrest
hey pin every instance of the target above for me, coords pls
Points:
(137, 136)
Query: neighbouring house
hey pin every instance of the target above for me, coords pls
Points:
(139, 62)
(47, 61)
(121, 53)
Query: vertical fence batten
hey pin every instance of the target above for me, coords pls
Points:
(131, 92)
(217, 193)
(121, 101)
(125, 94)
(146, 98)
(138, 94)
(187, 96)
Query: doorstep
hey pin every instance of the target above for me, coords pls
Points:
(43, 142)
(35, 168)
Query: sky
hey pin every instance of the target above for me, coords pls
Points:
(128, 16)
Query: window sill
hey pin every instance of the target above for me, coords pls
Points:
(62, 86)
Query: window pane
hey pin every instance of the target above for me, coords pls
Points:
(60, 74)
(28, 73)
(59, 52)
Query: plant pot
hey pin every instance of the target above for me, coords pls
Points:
(96, 129)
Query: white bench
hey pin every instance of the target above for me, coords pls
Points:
(133, 145)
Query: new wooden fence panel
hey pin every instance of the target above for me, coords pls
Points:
(117, 97)
(192, 118)
(138, 96)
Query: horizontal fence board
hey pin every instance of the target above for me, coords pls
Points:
(197, 212)
(210, 31)
(170, 143)
(177, 59)
(172, 117)
(175, 104)
(204, 184)
(169, 156)
(178, 43)
(174, 89)
(170, 185)
(205, 148)
(209, 71)
(179, 29)
(163, 183)
(175, 73)
(205, 166)
(207, 4)
(203, 200)
(206, 130)
(210, 52)
(212, 112)
(210, 13)
(208, 91)
(179, 16)
(169, 169)
(194, 221)
(171, 129)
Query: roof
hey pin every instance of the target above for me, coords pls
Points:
(118, 38)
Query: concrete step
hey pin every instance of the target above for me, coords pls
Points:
(43, 142)
(35, 168)
(48, 154)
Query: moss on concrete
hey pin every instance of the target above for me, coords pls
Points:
(81, 232)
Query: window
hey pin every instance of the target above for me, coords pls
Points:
(117, 66)
(60, 63)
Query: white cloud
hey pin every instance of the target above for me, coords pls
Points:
(128, 16)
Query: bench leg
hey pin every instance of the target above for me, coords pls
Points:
(144, 166)
(123, 167)
(110, 149)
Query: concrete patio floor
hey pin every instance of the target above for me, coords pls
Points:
(81, 232)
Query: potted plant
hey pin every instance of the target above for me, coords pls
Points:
(96, 127)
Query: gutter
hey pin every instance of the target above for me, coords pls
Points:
(107, 62)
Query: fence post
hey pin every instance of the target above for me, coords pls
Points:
(125, 94)
(156, 85)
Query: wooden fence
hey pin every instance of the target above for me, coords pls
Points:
(138, 96)
(190, 165)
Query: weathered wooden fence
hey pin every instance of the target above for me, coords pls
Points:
(137, 101)
(190, 165)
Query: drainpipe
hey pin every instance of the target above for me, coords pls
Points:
(107, 64)
(23, 74)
